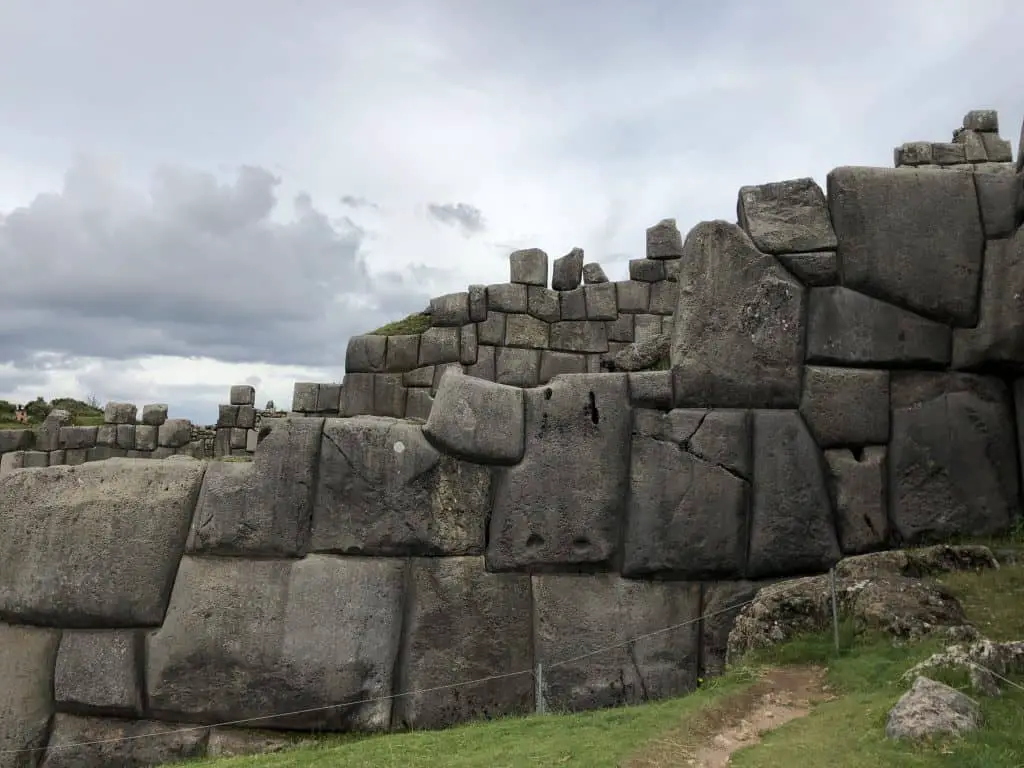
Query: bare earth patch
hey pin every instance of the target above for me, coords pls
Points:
(738, 721)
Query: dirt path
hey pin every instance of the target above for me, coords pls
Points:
(738, 721)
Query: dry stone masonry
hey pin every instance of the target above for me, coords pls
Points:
(833, 374)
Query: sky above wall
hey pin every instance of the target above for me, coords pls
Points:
(201, 193)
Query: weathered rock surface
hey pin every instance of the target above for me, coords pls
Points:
(642, 355)
(910, 237)
(847, 328)
(86, 741)
(262, 507)
(846, 406)
(857, 483)
(582, 628)
(688, 512)
(95, 545)
(97, 672)
(791, 529)
(952, 459)
(27, 656)
(882, 592)
(567, 271)
(477, 420)
(998, 338)
(385, 490)
(738, 338)
(464, 624)
(931, 708)
(786, 217)
(252, 638)
(987, 663)
(547, 513)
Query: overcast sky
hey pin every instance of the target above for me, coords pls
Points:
(200, 193)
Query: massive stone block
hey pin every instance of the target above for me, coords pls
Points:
(250, 638)
(582, 628)
(857, 482)
(477, 420)
(848, 328)
(96, 545)
(910, 237)
(687, 512)
(846, 406)
(792, 529)
(738, 336)
(27, 657)
(562, 504)
(999, 336)
(98, 671)
(262, 507)
(464, 624)
(786, 217)
(952, 460)
(383, 489)
(95, 741)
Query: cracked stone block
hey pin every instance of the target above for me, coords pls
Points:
(567, 272)
(786, 217)
(857, 484)
(384, 490)
(952, 462)
(543, 303)
(846, 406)
(733, 297)
(578, 613)
(544, 515)
(791, 530)
(529, 267)
(912, 238)
(687, 513)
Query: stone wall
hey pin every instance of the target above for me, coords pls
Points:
(122, 434)
(847, 375)
(240, 422)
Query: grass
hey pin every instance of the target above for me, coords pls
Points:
(846, 732)
(413, 325)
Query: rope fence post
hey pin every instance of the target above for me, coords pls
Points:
(835, 607)
(538, 688)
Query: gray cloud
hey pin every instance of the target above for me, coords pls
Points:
(468, 217)
(195, 268)
(355, 201)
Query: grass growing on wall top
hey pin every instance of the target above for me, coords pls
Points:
(413, 325)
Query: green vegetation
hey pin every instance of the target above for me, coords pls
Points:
(84, 414)
(847, 731)
(413, 325)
